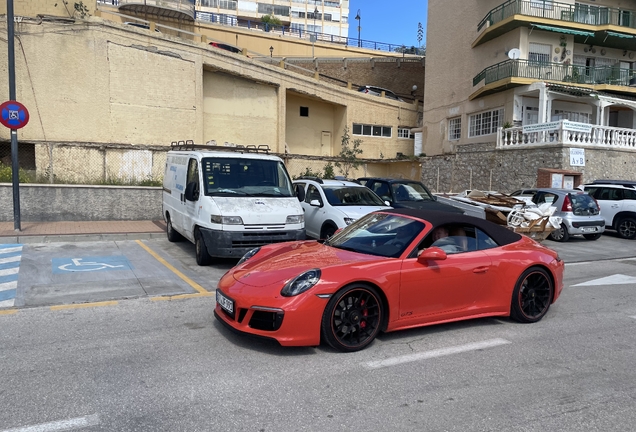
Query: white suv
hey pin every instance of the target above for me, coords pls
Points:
(617, 200)
(333, 204)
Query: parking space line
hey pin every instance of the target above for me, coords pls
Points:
(8, 311)
(186, 279)
(182, 296)
(62, 425)
(491, 343)
(85, 305)
(633, 316)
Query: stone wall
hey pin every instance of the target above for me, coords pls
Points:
(50, 203)
(482, 166)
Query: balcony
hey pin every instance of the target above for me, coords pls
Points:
(176, 9)
(512, 73)
(566, 132)
(611, 27)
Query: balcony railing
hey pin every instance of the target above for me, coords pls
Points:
(611, 75)
(566, 132)
(577, 13)
(161, 7)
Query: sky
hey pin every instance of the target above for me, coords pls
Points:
(390, 21)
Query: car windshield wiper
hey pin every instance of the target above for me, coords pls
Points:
(227, 191)
(266, 194)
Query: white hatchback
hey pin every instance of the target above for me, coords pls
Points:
(333, 204)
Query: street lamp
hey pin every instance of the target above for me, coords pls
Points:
(359, 18)
(271, 51)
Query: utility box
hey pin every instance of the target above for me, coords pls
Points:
(557, 178)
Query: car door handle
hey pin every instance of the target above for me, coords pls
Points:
(483, 269)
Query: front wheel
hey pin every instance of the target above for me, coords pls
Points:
(201, 251)
(352, 318)
(327, 232)
(532, 295)
(560, 234)
(626, 228)
(592, 236)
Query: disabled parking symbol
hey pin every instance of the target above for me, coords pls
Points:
(90, 264)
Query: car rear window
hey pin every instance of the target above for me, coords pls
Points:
(583, 204)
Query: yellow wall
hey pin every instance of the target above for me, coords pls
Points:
(238, 110)
(304, 134)
(32, 8)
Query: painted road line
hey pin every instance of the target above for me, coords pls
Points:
(633, 316)
(186, 279)
(10, 256)
(617, 279)
(491, 343)
(85, 305)
(8, 311)
(62, 425)
(183, 296)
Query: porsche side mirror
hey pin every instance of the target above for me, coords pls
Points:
(432, 253)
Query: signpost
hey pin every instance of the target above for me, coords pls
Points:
(14, 116)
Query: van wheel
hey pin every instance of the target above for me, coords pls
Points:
(203, 257)
(173, 236)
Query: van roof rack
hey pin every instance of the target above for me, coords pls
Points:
(314, 178)
(626, 183)
(190, 145)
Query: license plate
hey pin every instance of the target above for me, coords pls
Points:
(225, 302)
(588, 229)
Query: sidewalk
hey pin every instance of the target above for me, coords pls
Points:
(46, 232)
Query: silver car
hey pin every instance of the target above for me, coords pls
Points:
(579, 211)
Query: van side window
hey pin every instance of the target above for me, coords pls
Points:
(193, 175)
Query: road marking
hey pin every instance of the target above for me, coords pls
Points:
(10, 248)
(84, 305)
(62, 425)
(7, 312)
(10, 256)
(617, 279)
(186, 279)
(90, 264)
(633, 316)
(491, 343)
(10, 259)
(9, 271)
(182, 296)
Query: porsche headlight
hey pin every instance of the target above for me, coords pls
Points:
(226, 220)
(248, 255)
(301, 283)
(295, 219)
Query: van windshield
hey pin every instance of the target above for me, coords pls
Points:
(245, 177)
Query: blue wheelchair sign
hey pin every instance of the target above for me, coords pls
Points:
(90, 264)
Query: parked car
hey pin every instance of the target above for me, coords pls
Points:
(579, 212)
(377, 91)
(226, 47)
(333, 204)
(140, 25)
(360, 282)
(617, 200)
(401, 193)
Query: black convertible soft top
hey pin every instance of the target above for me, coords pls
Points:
(498, 233)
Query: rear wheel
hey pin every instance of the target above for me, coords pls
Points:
(173, 236)
(560, 234)
(203, 257)
(352, 318)
(532, 295)
(626, 228)
(592, 236)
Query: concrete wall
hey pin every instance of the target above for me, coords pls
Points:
(33, 8)
(50, 203)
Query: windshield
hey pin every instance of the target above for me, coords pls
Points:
(352, 196)
(245, 177)
(410, 192)
(381, 234)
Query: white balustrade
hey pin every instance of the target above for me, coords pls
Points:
(562, 132)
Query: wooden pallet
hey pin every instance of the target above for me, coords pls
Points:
(538, 229)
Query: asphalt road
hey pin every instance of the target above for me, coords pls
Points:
(147, 365)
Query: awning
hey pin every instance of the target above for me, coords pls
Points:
(620, 35)
(563, 30)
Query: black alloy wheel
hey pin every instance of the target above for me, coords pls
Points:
(173, 236)
(560, 234)
(626, 228)
(352, 318)
(532, 295)
(201, 251)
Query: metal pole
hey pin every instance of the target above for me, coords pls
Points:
(15, 166)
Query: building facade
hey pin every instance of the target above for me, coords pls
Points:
(547, 72)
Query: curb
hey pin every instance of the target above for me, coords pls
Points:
(73, 238)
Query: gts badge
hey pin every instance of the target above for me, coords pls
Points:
(406, 314)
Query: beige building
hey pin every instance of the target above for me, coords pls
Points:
(106, 98)
(549, 72)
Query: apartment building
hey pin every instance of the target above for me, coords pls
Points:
(328, 17)
(547, 72)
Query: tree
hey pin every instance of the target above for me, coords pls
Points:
(349, 154)
(420, 34)
(270, 20)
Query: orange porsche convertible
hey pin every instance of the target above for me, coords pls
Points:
(388, 271)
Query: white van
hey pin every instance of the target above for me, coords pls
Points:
(229, 200)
